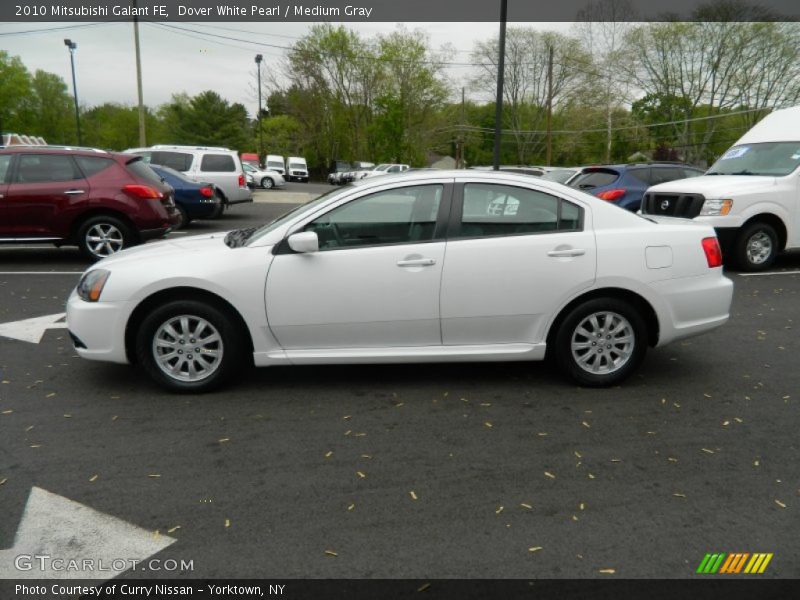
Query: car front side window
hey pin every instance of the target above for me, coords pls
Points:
(397, 216)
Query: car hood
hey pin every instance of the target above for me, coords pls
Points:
(159, 251)
(713, 185)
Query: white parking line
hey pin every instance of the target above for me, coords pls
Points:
(770, 273)
(41, 272)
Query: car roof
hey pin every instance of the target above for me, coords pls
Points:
(71, 150)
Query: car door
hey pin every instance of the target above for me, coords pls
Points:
(374, 281)
(514, 256)
(5, 173)
(43, 189)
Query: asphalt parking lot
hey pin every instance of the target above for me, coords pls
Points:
(418, 471)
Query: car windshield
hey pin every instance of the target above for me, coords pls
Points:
(296, 165)
(381, 167)
(297, 211)
(248, 167)
(768, 158)
(559, 175)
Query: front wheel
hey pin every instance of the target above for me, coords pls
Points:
(267, 183)
(190, 346)
(102, 236)
(601, 342)
(756, 247)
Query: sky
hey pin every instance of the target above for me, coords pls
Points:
(182, 61)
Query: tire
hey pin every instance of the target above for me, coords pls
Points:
(104, 235)
(168, 355)
(756, 247)
(579, 353)
(267, 183)
(185, 220)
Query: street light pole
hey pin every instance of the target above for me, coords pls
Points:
(259, 58)
(72, 46)
(501, 67)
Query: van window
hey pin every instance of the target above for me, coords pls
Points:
(180, 161)
(218, 163)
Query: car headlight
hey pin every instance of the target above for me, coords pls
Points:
(91, 284)
(714, 208)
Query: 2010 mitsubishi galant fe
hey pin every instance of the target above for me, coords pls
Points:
(420, 267)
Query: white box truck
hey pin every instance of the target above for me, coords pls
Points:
(296, 169)
(751, 195)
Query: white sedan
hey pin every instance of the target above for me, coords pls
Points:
(423, 267)
(264, 178)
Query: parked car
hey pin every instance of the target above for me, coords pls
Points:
(561, 174)
(384, 169)
(296, 169)
(274, 162)
(361, 275)
(100, 201)
(625, 185)
(750, 195)
(219, 166)
(338, 168)
(194, 200)
(264, 178)
(356, 172)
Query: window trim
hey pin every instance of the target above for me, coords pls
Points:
(457, 213)
(439, 232)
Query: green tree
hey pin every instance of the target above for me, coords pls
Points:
(16, 94)
(207, 119)
(52, 109)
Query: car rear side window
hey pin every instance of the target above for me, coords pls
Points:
(92, 165)
(5, 161)
(593, 179)
(664, 174)
(490, 210)
(642, 175)
(180, 161)
(46, 168)
(218, 163)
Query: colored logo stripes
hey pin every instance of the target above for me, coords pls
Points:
(741, 562)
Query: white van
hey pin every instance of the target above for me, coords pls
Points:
(219, 166)
(274, 162)
(296, 169)
(751, 195)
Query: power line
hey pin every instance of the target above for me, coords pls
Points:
(51, 29)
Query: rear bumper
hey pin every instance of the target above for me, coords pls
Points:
(693, 305)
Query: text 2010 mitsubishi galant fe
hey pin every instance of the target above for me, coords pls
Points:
(421, 267)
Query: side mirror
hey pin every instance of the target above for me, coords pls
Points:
(303, 242)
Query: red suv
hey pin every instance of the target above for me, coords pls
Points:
(100, 201)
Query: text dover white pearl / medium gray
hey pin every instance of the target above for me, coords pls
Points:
(419, 267)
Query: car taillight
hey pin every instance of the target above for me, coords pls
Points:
(611, 195)
(206, 192)
(142, 191)
(241, 181)
(713, 252)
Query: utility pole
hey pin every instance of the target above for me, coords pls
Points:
(142, 132)
(549, 103)
(501, 67)
(72, 47)
(259, 58)
(460, 146)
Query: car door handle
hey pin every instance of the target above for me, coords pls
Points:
(74, 192)
(567, 252)
(417, 262)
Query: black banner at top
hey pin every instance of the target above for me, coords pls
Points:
(396, 10)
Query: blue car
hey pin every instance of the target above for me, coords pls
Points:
(625, 185)
(194, 200)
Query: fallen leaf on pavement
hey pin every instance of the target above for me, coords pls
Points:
(173, 529)
(413, 494)
(534, 549)
(331, 553)
(549, 474)
(607, 571)
(779, 503)
(93, 478)
(329, 453)
(360, 474)
(528, 506)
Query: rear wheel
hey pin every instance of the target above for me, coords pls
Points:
(756, 247)
(102, 236)
(601, 342)
(185, 220)
(267, 183)
(190, 346)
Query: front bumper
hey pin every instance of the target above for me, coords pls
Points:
(100, 328)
